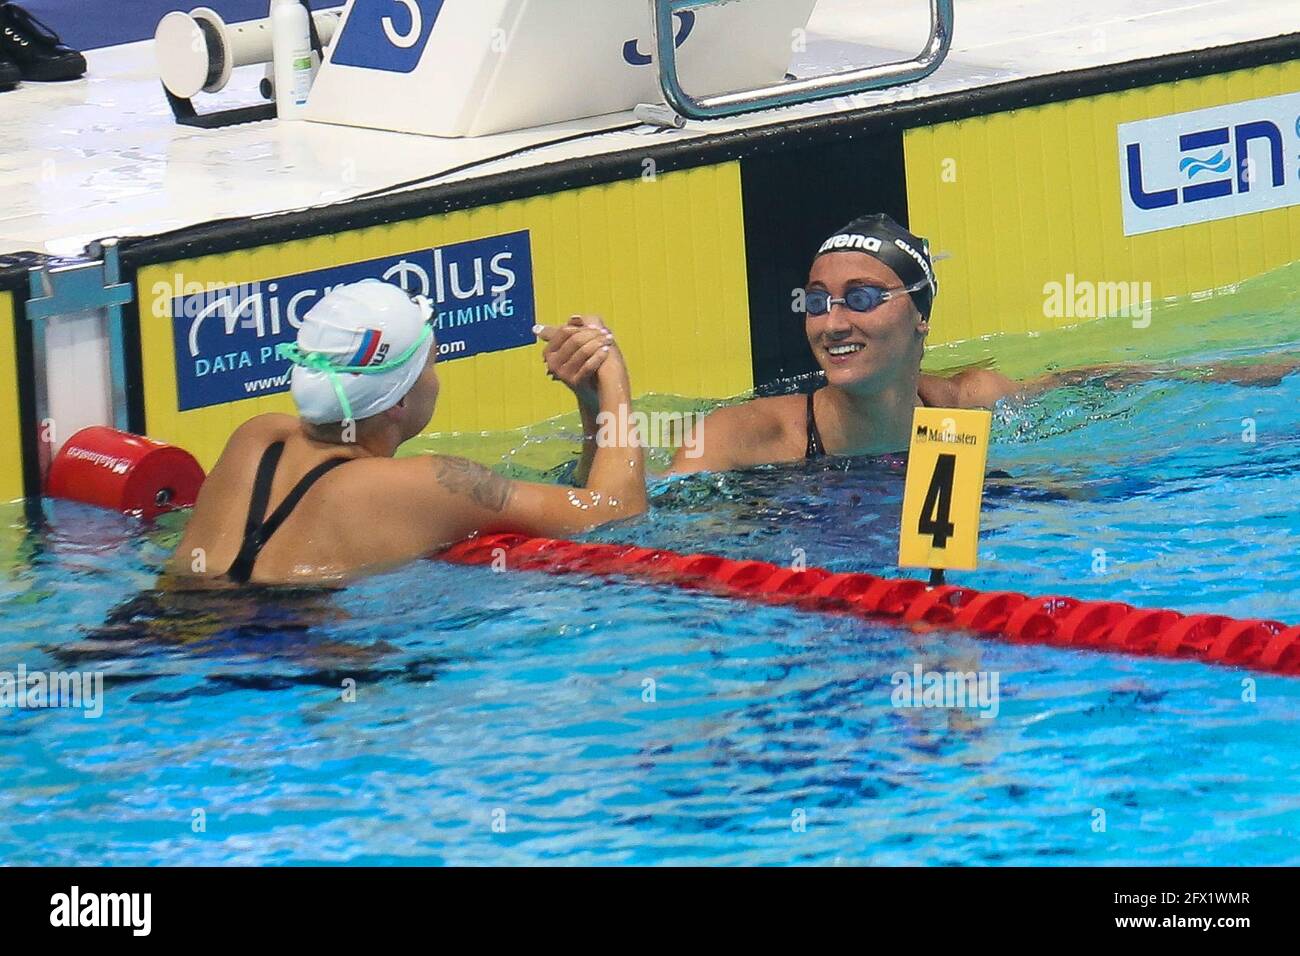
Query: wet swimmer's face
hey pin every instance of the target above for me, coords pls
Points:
(861, 348)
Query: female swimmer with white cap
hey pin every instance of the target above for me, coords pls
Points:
(867, 311)
(319, 497)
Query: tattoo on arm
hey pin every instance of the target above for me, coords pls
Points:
(483, 486)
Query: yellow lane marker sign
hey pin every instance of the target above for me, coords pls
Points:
(945, 488)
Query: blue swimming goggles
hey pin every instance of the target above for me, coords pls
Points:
(860, 298)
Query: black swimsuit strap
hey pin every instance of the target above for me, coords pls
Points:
(815, 447)
(257, 532)
(272, 524)
(266, 469)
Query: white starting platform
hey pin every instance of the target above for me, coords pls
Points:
(103, 156)
(493, 66)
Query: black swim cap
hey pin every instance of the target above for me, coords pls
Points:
(879, 236)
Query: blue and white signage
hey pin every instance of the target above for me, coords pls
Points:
(386, 34)
(225, 338)
(1210, 164)
(632, 54)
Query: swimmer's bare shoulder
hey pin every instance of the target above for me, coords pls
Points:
(244, 447)
(269, 423)
(254, 435)
(227, 491)
(747, 434)
(972, 388)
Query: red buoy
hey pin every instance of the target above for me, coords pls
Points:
(128, 473)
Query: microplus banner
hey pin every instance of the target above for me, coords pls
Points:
(226, 337)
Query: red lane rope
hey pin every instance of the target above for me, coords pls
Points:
(1056, 621)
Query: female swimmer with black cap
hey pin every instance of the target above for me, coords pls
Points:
(867, 311)
(319, 497)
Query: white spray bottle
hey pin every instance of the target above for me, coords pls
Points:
(291, 53)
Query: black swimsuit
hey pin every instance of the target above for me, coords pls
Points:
(816, 449)
(258, 529)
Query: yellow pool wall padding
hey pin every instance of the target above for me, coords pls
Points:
(1023, 198)
(11, 461)
(662, 259)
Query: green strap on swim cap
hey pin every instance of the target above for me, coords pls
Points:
(320, 362)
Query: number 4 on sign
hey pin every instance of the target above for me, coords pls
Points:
(945, 488)
(936, 512)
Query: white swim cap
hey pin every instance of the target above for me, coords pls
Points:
(359, 351)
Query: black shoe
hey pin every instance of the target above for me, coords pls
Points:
(36, 48)
(9, 73)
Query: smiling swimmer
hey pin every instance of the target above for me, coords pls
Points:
(867, 311)
(319, 497)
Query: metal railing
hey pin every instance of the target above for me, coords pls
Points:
(791, 92)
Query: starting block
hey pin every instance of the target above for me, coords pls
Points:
(475, 67)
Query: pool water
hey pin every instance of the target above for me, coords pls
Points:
(441, 714)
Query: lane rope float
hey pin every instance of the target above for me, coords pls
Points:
(1054, 620)
(127, 473)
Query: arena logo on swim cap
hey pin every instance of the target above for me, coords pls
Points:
(850, 242)
(874, 246)
(921, 260)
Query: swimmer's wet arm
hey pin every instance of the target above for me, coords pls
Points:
(1075, 376)
(473, 499)
(573, 354)
(617, 469)
(590, 428)
(1115, 376)
(737, 436)
(467, 498)
(589, 410)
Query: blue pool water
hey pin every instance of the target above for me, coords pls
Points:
(522, 718)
